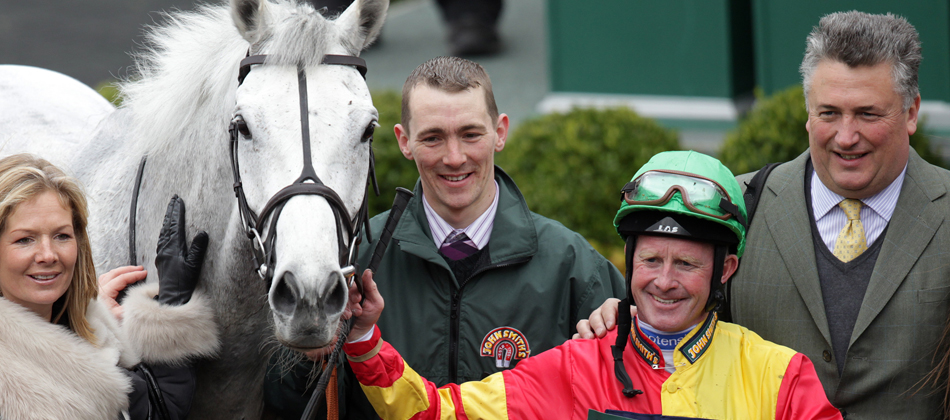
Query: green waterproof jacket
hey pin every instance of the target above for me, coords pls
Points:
(540, 279)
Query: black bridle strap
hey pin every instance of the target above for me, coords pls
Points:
(343, 60)
(133, 258)
(347, 60)
(246, 64)
(308, 173)
(273, 206)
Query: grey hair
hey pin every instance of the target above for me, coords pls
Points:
(861, 39)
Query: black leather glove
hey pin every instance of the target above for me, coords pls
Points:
(178, 266)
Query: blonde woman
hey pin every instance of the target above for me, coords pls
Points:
(64, 354)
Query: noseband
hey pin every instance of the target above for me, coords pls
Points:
(308, 183)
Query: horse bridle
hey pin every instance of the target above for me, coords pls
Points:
(308, 183)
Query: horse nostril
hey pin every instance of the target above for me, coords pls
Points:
(284, 295)
(336, 293)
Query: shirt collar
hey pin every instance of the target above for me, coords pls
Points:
(479, 231)
(823, 200)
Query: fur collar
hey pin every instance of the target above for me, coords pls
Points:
(50, 372)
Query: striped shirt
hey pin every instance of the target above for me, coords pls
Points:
(479, 231)
(875, 214)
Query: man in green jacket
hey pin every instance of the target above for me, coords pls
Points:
(491, 282)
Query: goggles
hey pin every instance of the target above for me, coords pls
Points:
(701, 195)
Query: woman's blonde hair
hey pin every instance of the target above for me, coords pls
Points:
(24, 177)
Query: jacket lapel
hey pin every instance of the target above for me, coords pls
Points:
(912, 226)
(788, 218)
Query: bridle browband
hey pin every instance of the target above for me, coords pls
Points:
(308, 183)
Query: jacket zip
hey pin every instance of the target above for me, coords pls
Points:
(456, 313)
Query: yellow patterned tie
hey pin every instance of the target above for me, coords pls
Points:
(851, 241)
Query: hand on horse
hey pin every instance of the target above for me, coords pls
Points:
(178, 265)
(603, 319)
(113, 282)
(367, 314)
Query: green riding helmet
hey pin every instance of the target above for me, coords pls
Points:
(690, 184)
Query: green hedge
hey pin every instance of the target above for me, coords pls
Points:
(571, 167)
(774, 131)
(392, 168)
(109, 91)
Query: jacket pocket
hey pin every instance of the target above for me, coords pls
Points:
(933, 295)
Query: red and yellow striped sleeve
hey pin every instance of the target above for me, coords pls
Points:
(801, 396)
(398, 392)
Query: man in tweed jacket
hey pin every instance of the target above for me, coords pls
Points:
(870, 324)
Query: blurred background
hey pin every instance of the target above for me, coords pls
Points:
(593, 88)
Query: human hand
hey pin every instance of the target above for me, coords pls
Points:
(351, 306)
(603, 319)
(115, 281)
(372, 307)
(178, 266)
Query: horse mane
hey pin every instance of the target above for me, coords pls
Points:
(181, 91)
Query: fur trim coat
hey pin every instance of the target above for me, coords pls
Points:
(49, 372)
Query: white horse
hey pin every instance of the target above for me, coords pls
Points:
(42, 107)
(177, 111)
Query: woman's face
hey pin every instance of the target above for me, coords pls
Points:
(38, 253)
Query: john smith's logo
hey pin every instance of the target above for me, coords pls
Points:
(505, 344)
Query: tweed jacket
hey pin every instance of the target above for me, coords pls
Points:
(776, 293)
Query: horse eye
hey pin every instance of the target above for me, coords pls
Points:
(242, 128)
(238, 123)
(368, 134)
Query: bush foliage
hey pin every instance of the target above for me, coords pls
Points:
(109, 91)
(774, 131)
(571, 167)
(392, 168)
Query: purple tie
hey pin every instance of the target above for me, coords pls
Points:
(458, 246)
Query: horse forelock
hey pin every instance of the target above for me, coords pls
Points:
(299, 35)
(183, 84)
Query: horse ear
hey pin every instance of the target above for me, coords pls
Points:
(249, 18)
(362, 22)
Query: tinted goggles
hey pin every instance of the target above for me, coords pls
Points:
(700, 195)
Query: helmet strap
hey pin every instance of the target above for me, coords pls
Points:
(624, 325)
(717, 296)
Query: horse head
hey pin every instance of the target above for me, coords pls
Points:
(301, 144)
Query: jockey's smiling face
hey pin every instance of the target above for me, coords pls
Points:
(453, 140)
(671, 280)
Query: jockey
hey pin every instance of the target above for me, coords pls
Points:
(683, 220)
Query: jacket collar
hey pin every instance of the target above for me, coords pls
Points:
(47, 368)
(513, 236)
(693, 345)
